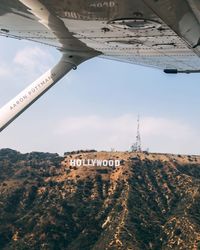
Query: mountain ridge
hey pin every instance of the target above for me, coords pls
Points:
(150, 201)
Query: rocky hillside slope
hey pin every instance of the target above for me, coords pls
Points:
(150, 201)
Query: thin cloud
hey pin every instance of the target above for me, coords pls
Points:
(4, 70)
(158, 134)
(159, 126)
(33, 59)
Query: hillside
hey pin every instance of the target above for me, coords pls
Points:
(150, 201)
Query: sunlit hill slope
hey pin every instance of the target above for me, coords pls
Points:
(150, 201)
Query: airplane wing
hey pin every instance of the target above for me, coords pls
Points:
(164, 34)
(159, 34)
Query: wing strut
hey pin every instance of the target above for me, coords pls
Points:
(74, 52)
(29, 95)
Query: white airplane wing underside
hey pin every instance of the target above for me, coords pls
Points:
(160, 34)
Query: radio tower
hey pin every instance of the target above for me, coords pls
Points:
(136, 147)
(138, 137)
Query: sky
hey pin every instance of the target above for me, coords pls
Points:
(96, 106)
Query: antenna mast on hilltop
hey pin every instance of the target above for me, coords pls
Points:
(136, 147)
(138, 137)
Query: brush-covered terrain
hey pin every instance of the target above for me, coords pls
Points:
(150, 201)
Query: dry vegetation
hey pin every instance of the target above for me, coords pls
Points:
(151, 201)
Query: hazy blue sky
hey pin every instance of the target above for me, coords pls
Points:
(96, 106)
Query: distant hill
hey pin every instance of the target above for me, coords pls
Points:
(150, 201)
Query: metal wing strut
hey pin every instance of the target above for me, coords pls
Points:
(73, 51)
